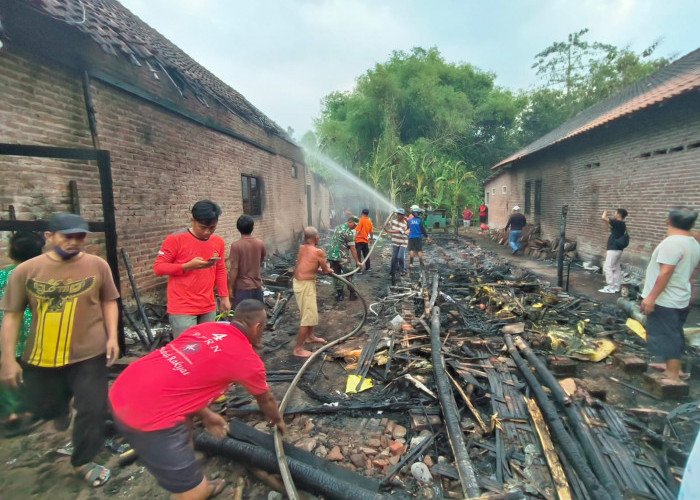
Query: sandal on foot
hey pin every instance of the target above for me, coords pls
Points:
(95, 475)
(215, 487)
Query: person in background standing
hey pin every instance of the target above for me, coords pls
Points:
(21, 247)
(483, 214)
(364, 233)
(399, 240)
(516, 223)
(667, 289)
(246, 257)
(192, 259)
(416, 233)
(467, 217)
(613, 255)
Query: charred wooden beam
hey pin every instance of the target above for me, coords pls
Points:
(137, 298)
(556, 425)
(467, 477)
(311, 477)
(581, 430)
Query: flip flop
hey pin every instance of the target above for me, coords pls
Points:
(216, 486)
(95, 475)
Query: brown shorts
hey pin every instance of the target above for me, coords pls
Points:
(305, 293)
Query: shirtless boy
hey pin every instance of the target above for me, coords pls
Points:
(309, 260)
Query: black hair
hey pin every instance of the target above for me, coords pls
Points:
(365, 211)
(25, 245)
(248, 311)
(245, 224)
(206, 211)
(622, 212)
(682, 218)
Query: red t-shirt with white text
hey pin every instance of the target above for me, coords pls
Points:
(159, 390)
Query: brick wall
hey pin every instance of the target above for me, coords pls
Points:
(645, 163)
(161, 164)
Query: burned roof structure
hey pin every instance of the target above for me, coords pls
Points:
(141, 60)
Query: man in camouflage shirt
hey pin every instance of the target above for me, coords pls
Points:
(342, 247)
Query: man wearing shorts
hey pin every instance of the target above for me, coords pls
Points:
(416, 232)
(666, 294)
(156, 398)
(309, 261)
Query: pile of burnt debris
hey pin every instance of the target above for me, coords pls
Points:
(533, 245)
(474, 380)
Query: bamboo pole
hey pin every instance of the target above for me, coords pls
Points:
(560, 482)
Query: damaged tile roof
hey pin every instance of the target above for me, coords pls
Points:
(677, 78)
(122, 34)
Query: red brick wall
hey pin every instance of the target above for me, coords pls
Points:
(161, 163)
(605, 169)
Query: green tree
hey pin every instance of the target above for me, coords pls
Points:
(578, 74)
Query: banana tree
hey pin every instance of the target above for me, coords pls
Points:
(451, 184)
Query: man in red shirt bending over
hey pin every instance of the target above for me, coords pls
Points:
(193, 260)
(155, 399)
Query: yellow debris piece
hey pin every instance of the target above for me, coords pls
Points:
(636, 327)
(539, 305)
(353, 380)
(604, 348)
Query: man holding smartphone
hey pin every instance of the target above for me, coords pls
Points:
(192, 259)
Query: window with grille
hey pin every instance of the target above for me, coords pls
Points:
(251, 190)
(528, 189)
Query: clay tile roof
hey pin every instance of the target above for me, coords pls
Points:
(120, 33)
(677, 78)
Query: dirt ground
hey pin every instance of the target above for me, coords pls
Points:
(30, 466)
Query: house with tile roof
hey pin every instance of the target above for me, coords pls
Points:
(638, 149)
(90, 75)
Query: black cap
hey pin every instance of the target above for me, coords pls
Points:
(365, 211)
(67, 224)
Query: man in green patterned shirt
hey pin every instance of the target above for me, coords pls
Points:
(22, 246)
(342, 247)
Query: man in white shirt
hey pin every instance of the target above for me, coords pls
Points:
(667, 288)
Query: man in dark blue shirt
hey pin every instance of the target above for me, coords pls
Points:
(416, 231)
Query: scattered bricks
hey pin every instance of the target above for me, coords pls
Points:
(390, 426)
(321, 451)
(667, 388)
(394, 459)
(308, 427)
(375, 443)
(383, 441)
(399, 431)
(307, 444)
(368, 451)
(383, 422)
(562, 366)
(358, 460)
(513, 329)
(396, 448)
(380, 462)
(631, 363)
(596, 389)
(335, 455)
(428, 461)
(419, 422)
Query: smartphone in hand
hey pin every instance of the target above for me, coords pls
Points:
(214, 259)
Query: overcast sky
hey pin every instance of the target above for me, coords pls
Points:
(285, 55)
